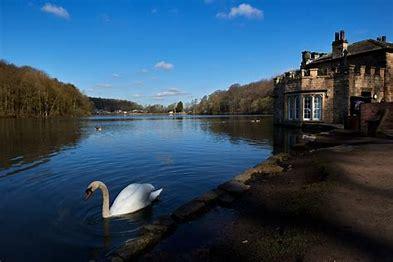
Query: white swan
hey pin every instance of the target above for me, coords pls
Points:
(132, 198)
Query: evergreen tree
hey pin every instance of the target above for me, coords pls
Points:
(179, 107)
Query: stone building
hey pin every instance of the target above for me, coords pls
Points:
(329, 87)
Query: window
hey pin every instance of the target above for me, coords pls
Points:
(312, 107)
(317, 113)
(307, 104)
(297, 107)
(289, 107)
(293, 107)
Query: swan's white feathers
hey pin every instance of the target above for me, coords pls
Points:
(154, 194)
(132, 198)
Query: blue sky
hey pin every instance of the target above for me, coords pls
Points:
(166, 51)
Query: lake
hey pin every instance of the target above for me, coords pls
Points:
(46, 165)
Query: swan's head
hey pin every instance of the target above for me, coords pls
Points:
(91, 188)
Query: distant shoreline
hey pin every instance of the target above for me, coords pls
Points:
(127, 115)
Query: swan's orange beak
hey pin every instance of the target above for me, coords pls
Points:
(88, 193)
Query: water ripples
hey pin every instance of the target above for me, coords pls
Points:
(45, 181)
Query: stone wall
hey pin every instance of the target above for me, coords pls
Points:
(302, 82)
(376, 115)
(340, 97)
(389, 77)
(369, 79)
(337, 85)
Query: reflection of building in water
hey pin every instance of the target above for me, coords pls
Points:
(284, 138)
(29, 140)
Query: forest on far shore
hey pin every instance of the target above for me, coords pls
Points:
(28, 92)
(253, 98)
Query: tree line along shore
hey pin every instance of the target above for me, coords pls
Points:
(29, 92)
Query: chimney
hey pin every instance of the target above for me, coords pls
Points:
(342, 35)
(306, 58)
(339, 44)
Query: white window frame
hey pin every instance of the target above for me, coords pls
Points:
(319, 117)
(312, 107)
(304, 108)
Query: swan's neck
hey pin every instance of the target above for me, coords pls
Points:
(105, 200)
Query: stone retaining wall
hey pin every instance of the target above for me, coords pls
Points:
(380, 113)
(151, 234)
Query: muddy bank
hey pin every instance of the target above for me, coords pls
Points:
(329, 204)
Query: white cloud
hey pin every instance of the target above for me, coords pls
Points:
(55, 10)
(169, 92)
(164, 65)
(103, 85)
(144, 71)
(243, 10)
(115, 75)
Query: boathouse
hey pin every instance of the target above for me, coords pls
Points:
(330, 87)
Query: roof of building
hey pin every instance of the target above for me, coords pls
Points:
(359, 47)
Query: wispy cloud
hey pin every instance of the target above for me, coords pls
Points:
(58, 11)
(243, 10)
(103, 85)
(164, 65)
(169, 92)
(143, 71)
(115, 75)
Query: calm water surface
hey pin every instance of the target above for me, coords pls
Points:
(45, 167)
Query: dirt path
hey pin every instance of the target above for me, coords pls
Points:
(334, 204)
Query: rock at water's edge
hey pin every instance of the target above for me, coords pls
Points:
(189, 210)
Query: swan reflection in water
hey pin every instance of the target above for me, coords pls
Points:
(145, 214)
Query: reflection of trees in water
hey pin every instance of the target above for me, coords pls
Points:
(241, 129)
(29, 140)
